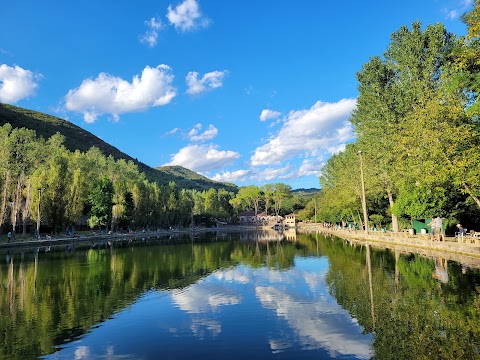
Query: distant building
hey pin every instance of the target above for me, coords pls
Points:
(290, 221)
(249, 217)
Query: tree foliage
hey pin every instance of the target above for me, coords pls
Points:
(417, 128)
(73, 187)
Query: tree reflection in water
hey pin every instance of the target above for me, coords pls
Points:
(49, 299)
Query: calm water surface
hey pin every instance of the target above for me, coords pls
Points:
(236, 296)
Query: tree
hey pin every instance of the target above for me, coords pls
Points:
(267, 190)
(251, 196)
(100, 199)
(390, 91)
(280, 193)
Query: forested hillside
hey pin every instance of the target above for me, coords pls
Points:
(77, 138)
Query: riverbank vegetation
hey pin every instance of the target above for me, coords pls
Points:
(68, 189)
(417, 127)
(76, 138)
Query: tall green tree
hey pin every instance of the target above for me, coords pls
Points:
(101, 200)
(281, 192)
(391, 89)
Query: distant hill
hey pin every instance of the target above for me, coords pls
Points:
(306, 192)
(77, 138)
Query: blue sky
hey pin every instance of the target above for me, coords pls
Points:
(249, 92)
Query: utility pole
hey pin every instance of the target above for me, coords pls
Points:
(364, 200)
(315, 202)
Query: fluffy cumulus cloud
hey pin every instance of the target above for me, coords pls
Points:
(108, 94)
(310, 167)
(209, 81)
(195, 134)
(320, 323)
(232, 176)
(261, 175)
(307, 132)
(202, 298)
(16, 83)
(187, 16)
(271, 173)
(268, 114)
(154, 26)
(203, 157)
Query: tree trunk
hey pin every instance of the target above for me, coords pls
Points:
(394, 218)
(353, 217)
(471, 194)
(26, 208)
(360, 218)
(3, 209)
(17, 204)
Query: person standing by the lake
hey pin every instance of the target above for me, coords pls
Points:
(9, 236)
(436, 225)
(437, 228)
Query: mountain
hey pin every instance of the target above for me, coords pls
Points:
(306, 192)
(77, 138)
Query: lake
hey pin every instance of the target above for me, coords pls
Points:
(252, 295)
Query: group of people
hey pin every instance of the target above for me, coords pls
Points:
(437, 229)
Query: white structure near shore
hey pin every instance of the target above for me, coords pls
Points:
(249, 217)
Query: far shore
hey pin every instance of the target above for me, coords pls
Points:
(47, 240)
(463, 249)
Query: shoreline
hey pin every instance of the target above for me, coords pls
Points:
(464, 252)
(55, 241)
(404, 242)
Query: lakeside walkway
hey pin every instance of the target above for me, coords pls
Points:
(464, 250)
(64, 240)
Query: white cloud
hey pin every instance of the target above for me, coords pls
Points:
(187, 16)
(461, 7)
(268, 114)
(171, 132)
(209, 134)
(336, 148)
(306, 132)
(310, 167)
(201, 327)
(209, 81)
(232, 276)
(262, 175)
(154, 26)
(16, 83)
(320, 324)
(108, 94)
(286, 172)
(232, 176)
(452, 15)
(202, 298)
(82, 352)
(203, 157)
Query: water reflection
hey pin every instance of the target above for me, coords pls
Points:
(236, 296)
